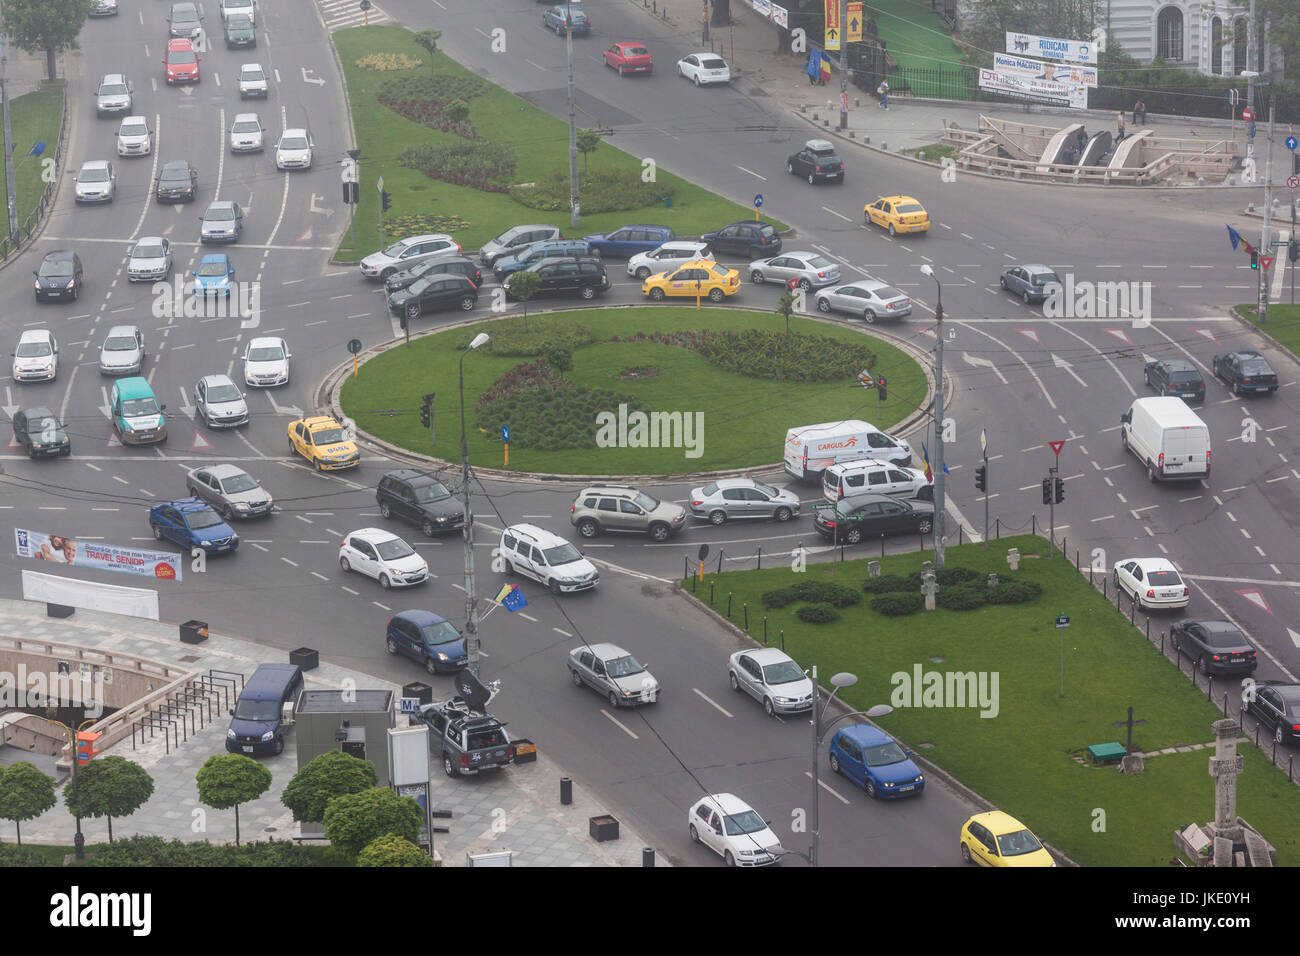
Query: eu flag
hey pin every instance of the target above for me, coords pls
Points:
(515, 600)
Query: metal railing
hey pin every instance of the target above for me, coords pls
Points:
(34, 219)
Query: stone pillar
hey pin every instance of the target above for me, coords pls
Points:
(1013, 558)
(928, 588)
(1224, 767)
(873, 569)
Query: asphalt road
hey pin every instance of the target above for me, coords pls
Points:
(1022, 377)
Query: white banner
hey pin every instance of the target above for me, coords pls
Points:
(52, 589)
(1071, 74)
(1033, 89)
(763, 7)
(1051, 48)
(61, 549)
(781, 17)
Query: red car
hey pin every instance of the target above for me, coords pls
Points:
(181, 64)
(629, 58)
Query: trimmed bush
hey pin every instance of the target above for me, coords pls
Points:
(762, 353)
(155, 851)
(897, 604)
(510, 339)
(419, 224)
(959, 598)
(1013, 592)
(436, 88)
(387, 62)
(950, 576)
(779, 598)
(603, 190)
(890, 583)
(817, 614)
(14, 855)
(477, 165)
(826, 592)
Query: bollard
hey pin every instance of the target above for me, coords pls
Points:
(1033, 524)
(1105, 588)
(997, 523)
(841, 552)
(1132, 612)
(728, 605)
(1118, 592)
(1209, 685)
(647, 856)
(1089, 573)
(1225, 705)
(694, 582)
(959, 535)
(1064, 550)
(686, 567)
(720, 554)
(882, 547)
(782, 638)
(1076, 561)
(1148, 629)
(745, 608)
(1162, 642)
(884, 145)
(566, 790)
(760, 557)
(765, 630)
(711, 583)
(1289, 761)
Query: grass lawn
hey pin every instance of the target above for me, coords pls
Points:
(55, 855)
(541, 144)
(33, 118)
(1023, 759)
(916, 37)
(1283, 320)
(934, 152)
(745, 419)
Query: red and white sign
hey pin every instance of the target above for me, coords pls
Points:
(1266, 262)
(1056, 446)
(1247, 115)
(1293, 182)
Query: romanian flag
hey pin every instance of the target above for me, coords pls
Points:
(925, 456)
(503, 593)
(825, 70)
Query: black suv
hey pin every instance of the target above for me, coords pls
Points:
(437, 265)
(1276, 705)
(753, 240)
(816, 161)
(569, 275)
(420, 499)
(469, 742)
(1176, 377)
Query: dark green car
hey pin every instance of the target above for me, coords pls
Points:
(239, 31)
(41, 433)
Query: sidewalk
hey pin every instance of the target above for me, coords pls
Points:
(517, 809)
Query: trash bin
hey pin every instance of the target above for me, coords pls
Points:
(668, 202)
(525, 751)
(305, 657)
(192, 632)
(419, 690)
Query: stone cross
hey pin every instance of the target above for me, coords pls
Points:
(1013, 558)
(928, 588)
(1224, 767)
(1130, 723)
(873, 569)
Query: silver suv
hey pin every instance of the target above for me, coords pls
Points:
(113, 95)
(623, 508)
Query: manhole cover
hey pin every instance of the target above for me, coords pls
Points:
(189, 658)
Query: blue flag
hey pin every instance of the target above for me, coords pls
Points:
(1234, 236)
(515, 600)
(814, 64)
(37, 149)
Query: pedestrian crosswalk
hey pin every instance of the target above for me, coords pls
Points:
(341, 14)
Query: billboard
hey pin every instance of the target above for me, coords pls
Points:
(1034, 90)
(63, 550)
(1052, 48)
(57, 589)
(1071, 74)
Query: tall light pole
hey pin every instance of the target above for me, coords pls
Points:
(939, 500)
(471, 605)
(1265, 242)
(573, 121)
(8, 134)
(844, 66)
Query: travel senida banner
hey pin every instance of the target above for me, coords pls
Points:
(1052, 48)
(1071, 74)
(1033, 89)
(61, 549)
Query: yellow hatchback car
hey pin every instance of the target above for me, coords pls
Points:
(999, 839)
(324, 443)
(897, 214)
(697, 277)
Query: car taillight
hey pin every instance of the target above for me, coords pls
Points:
(828, 523)
(821, 274)
(464, 760)
(1160, 462)
(510, 752)
(573, 508)
(1245, 381)
(697, 502)
(1187, 592)
(841, 165)
(1151, 592)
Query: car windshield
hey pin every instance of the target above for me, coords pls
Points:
(136, 407)
(239, 21)
(293, 142)
(433, 491)
(267, 353)
(219, 214)
(327, 436)
(444, 632)
(34, 349)
(217, 268)
(202, 519)
(94, 174)
(133, 129)
(180, 56)
(44, 423)
(1189, 377)
(1018, 843)
(175, 173)
(393, 549)
(645, 501)
(393, 251)
(782, 672)
(623, 666)
(1164, 578)
(121, 343)
(56, 268)
(1044, 278)
(562, 554)
(252, 75)
(112, 89)
(261, 711)
(883, 755)
(738, 824)
(712, 63)
(148, 252)
(418, 286)
(766, 489)
(224, 393)
(246, 126)
(237, 483)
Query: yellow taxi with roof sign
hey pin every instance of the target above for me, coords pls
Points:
(701, 277)
(324, 443)
(897, 214)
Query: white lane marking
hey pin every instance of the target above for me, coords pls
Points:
(221, 150)
(711, 701)
(834, 213)
(752, 173)
(829, 789)
(528, 617)
(561, 632)
(287, 561)
(1029, 368)
(153, 176)
(619, 724)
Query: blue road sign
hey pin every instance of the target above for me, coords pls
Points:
(1062, 621)
(505, 433)
(758, 200)
(1292, 142)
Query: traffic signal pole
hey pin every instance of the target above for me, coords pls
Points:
(986, 498)
(1265, 242)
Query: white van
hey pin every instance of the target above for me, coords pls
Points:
(811, 449)
(871, 477)
(1167, 437)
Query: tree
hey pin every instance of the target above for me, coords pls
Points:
(587, 141)
(522, 285)
(457, 111)
(49, 25)
(355, 820)
(558, 356)
(785, 306)
(330, 775)
(991, 20)
(108, 787)
(227, 780)
(25, 793)
(393, 850)
(1283, 19)
(429, 40)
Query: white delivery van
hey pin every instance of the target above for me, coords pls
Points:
(811, 449)
(1167, 437)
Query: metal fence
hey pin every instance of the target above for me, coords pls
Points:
(29, 225)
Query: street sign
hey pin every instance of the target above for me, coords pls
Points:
(1292, 142)
(864, 377)
(1247, 115)
(1266, 262)
(1056, 446)
(984, 441)
(380, 184)
(758, 200)
(505, 433)
(1062, 621)
(354, 346)
(1293, 182)
(1233, 97)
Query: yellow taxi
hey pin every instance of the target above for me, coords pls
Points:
(897, 214)
(698, 277)
(324, 443)
(999, 839)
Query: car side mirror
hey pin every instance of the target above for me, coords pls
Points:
(35, 273)
(1126, 418)
(232, 712)
(162, 408)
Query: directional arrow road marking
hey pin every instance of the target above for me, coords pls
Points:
(1207, 333)
(1062, 363)
(9, 405)
(103, 391)
(983, 363)
(319, 209)
(319, 81)
(1121, 335)
(186, 407)
(293, 410)
(1295, 638)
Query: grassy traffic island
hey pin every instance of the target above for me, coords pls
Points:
(1283, 320)
(1029, 753)
(572, 387)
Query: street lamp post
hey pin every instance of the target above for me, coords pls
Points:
(573, 121)
(471, 605)
(939, 499)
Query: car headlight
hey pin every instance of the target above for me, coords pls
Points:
(37, 284)
(785, 700)
(441, 519)
(630, 693)
(268, 736)
(129, 426)
(443, 657)
(205, 544)
(745, 852)
(241, 506)
(230, 735)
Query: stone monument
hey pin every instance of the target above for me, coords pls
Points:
(1228, 840)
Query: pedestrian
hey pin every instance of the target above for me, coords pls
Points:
(883, 90)
(1119, 119)
(1139, 113)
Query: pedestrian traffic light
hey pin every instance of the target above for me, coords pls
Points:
(387, 198)
(1254, 258)
(1059, 490)
(882, 391)
(1047, 491)
(981, 478)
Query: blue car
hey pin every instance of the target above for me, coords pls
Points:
(629, 240)
(192, 523)
(535, 252)
(215, 275)
(428, 638)
(876, 762)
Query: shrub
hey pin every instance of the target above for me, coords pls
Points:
(511, 339)
(950, 576)
(779, 597)
(603, 190)
(817, 614)
(1013, 592)
(897, 604)
(960, 598)
(155, 851)
(436, 88)
(827, 592)
(384, 62)
(769, 354)
(13, 855)
(477, 165)
(889, 583)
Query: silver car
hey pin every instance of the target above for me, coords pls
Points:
(406, 252)
(150, 260)
(220, 402)
(868, 299)
(230, 490)
(614, 674)
(809, 270)
(252, 81)
(1030, 281)
(770, 675)
(113, 95)
(96, 182)
(184, 21)
(727, 498)
(134, 137)
(222, 221)
(123, 352)
(246, 134)
(669, 256)
(233, 7)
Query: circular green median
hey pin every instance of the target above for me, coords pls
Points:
(630, 391)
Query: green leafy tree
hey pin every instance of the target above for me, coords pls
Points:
(1283, 19)
(356, 820)
(558, 356)
(990, 20)
(587, 141)
(25, 793)
(457, 111)
(330, 775)
(522, 285)
(428, 39)
(784, 307)
(393, 850)
(49, 25)
(227, 780)
(108, 787)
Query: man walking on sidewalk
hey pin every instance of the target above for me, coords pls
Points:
(1119, 119)
(883, 90)
(1139, 113)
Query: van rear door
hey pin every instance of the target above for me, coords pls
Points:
(796, 456)
(1186, 450)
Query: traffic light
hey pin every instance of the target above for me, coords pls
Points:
(1293, 250)
(1047, 491)
(982, 478)
(882, 391)
(351, 193)
(426, 409)
(387, 199)
(1059, 490)
(1254, 258)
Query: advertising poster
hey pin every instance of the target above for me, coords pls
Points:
(763, 7)
(1034, 90)
(781, 17)
(1071, 74)
(65, 550)
(1052, 48)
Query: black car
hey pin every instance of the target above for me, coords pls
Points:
(1216, 647)
(59, 276)
(178, 182)
(433, 293)
(457, 264)
(42, 433)
(869, 516)
(239, 32)
(568, 275)
(1176, 377)
(419, 499)
(747, 238)
(1276, 705)
(469, 742)
(817, 163)
(1245, 372)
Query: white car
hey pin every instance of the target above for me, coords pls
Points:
(134, 137)
(669, 256)
(37, 357)
(407, 252)
(246, 134)
(150, 260)
(547, 558)
(96, 181)
(1152, 583)
(384, 556)
(266, 362)
(731, 828)
(614, 674)
(769, 674)
(252, 81)
(293, 151)
(246, 7)
(704, 68)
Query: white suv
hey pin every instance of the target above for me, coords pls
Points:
(113, 95)
(407, 252)
(871, 477)
(37, 357)
(667, 257)
(547, 558)
(134, 137)
(252, 81)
